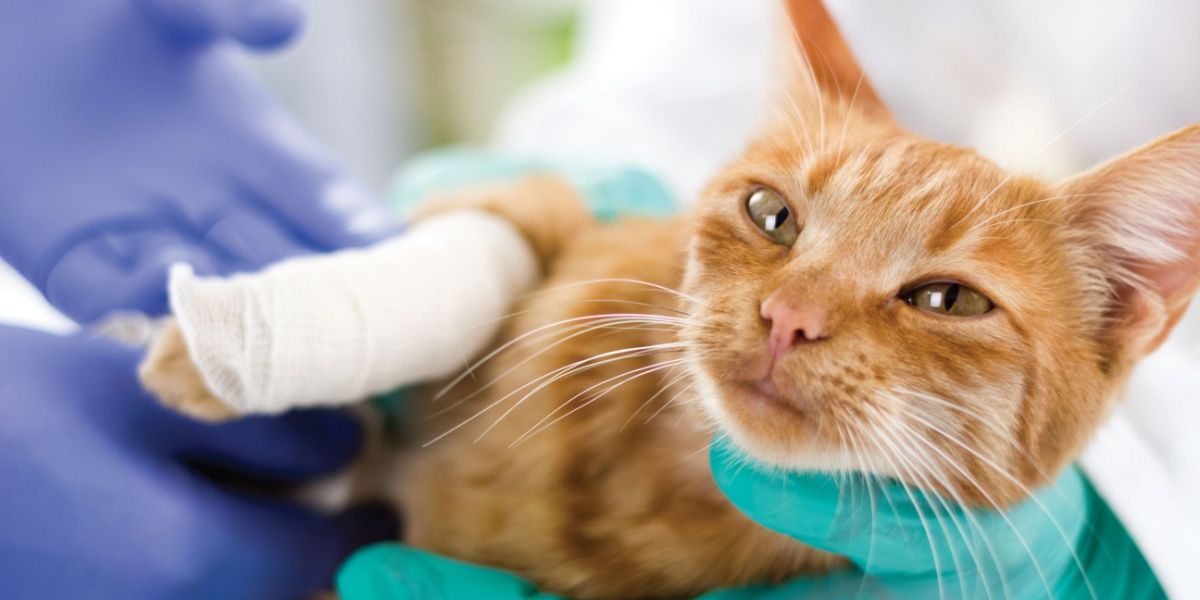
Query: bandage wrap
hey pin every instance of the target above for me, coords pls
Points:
(337, 328)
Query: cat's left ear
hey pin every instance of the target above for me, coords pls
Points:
(1143, 209)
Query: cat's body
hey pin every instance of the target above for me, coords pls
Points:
(845, 296)
(615, 500)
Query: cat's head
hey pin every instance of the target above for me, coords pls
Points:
(868, 299)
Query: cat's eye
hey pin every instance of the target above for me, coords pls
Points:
(772, 215)
(951, 299)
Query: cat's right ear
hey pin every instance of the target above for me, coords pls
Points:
(1143, 210)
(821, 60)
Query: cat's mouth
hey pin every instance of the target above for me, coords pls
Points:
(763, 395)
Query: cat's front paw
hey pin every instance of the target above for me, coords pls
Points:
(169, 373)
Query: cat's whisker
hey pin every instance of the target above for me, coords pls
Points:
(587, 363)
(586, 322)
(628, 280)
(636, 303)
(683, 413)
(669, 402)
(662, 388)
(582, 365)
(627, 377)
(917, 468)
(886, 456)
(543, 350)
(1024, 489)
(942, 479)
(1012, 526)
(854, 446)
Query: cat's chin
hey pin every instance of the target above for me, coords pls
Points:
(775, 430)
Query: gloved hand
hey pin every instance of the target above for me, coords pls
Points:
(1064, 543)
(130, 139)
(102, 494)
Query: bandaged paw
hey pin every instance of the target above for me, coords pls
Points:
(337, 328)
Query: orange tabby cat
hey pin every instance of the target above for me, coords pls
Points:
(843, 285)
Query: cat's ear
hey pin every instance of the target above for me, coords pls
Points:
(1143, 208)
(820, 58)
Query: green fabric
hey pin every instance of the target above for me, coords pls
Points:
(1065, 543)
(397, 572)
(611, 191)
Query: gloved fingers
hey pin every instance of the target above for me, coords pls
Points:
(397, 572)
(296, 180)
(255, 238)
(838, 584)
(270, 549)
(285, 449)
(263, 24)
(123, 270)
(888, 529)
(101, 376)
(259, 24)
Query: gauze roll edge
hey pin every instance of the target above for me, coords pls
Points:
(336, 328)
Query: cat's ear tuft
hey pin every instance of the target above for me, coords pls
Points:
(820, 59)
(1144, 210)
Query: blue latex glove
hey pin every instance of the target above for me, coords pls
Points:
(131, 139)
(1064, 544)
(101, 497)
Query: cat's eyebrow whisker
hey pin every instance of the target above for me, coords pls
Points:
(816, 89)
(983, 224)
(582, 322)
(625, 377)
(587, 363)
(849, 111)
(1036, 153)
(1024, 489)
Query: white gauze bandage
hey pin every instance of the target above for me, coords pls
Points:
(336, 328)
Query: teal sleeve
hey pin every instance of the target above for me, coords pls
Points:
(397, 572)
(1063, 542)
(611, 191)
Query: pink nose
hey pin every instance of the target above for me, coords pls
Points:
(792, 324)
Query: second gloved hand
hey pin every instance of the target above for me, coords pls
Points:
(131, 139)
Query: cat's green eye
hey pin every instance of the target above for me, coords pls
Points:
(951, 299)
(771, 214)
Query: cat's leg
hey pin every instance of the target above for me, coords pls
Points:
(337, 328)
(169, 373)
(547, 210)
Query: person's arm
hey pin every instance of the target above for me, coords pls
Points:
(130, 139)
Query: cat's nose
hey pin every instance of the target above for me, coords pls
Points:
(792, 324)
